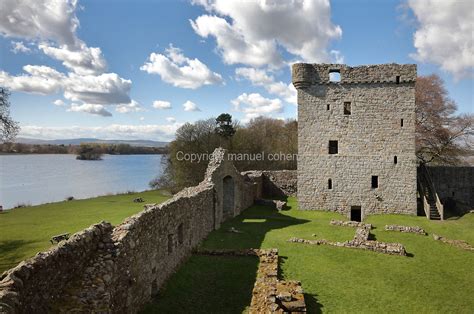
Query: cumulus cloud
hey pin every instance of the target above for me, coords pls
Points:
(190, 106)
(160, 132)
(19, 46)
(59, 102)
(176, 69)
(91, 108)
(45, 20)
(52, 24)
(104, 89)
(259, 77)
(255, 105)
(133, 106)
(171, 119)
(444, 36)
(38, 80)
(161, 104)
(84, 60)
(107, 88)
(251, 33)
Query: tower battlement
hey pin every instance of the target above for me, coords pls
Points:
(305, 74)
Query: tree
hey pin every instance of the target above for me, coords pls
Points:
(224, 127)
(442, 137)
(89, 152)
(8, 128)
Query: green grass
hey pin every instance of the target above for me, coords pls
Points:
(26, 231)
(435, 278)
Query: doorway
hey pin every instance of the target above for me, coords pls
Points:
(356, 213)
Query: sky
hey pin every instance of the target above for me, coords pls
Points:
(141, 69)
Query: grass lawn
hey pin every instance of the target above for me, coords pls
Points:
(436, 278)
(26, 231)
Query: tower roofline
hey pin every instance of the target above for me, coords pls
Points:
(307, 74)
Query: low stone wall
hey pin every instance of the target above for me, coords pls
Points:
(355, 224)
(118, 270)
(35, 284)
(415, 229)
(376, 246)
(457, 243)
(276, 183)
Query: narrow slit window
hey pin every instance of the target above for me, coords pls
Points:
(401, 122)
(335, 76)
(328, 107)
(397, 79)
(347, 108)
(333, 147)
(395, 160)
(329, 184)
(375, 182)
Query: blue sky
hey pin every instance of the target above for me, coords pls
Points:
(95, 60)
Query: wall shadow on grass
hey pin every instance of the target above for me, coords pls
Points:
(221, 284)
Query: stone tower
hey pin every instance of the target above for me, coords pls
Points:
(356, 138)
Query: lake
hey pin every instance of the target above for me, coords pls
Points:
(36, 179)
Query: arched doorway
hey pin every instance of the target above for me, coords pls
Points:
(227, 197)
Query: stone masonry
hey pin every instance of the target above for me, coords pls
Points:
(118, 270)
(356, 138)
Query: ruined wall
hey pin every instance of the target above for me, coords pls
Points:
(276, 183)
(370, 138)
(456, 183)
(35, 284)
(119, 270)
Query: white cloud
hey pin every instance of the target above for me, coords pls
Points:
(133, 106)
(159, 132)
(259, 77)
(104, 89)
(174, 68)
(444, 36)
(190, 106)
(45, 20)
(161, 104)
(91, 108)
(171, 119)
(255, 105)
(84, 60)
(19, 46)
(142, 118)
(40, 80)
(59, 102)
(256, 30)
(336, 57)
(53, 23)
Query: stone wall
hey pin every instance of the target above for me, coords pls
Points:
(456, 183)
(120, 269)
(372, 141)
(276, 183)
(35, 284)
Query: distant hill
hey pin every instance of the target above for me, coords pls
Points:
(77, 141)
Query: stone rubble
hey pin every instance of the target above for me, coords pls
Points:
(350, 223)
(457, 243)
(414, 229)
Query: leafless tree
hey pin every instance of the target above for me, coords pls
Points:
(8, 128)
(442, 136)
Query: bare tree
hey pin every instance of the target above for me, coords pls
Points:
(442, 136)
(8, 128)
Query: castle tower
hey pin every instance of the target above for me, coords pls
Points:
(356, 138)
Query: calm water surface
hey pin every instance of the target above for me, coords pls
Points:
(37, 179)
